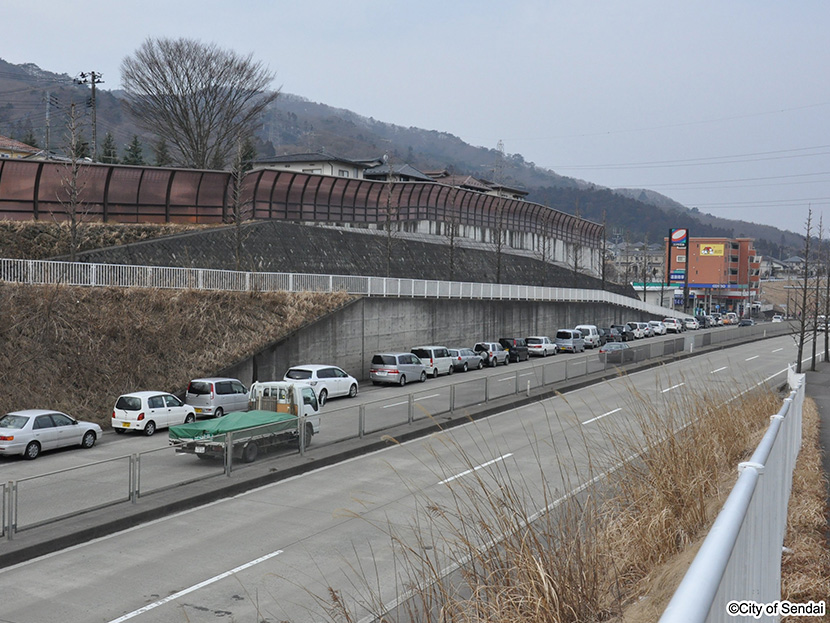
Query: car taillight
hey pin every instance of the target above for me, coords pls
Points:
(212, 395)
(459, 358)
(113, 415)
(140, 416)
(6, 437)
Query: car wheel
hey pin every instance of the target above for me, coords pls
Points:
(507, 361)
(423, 378)
(309, 434)
(402, 380)
(119, 431)
(190, 418)
(218, 412)
(322, 397)
(435, 373)
(353, 390)
(88, 440)
(32, 451)
(492, 362)
(464, 367)
(451, 370)
(150, 428)
(250, 452)
(480, 364)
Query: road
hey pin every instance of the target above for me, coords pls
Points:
(267, 555)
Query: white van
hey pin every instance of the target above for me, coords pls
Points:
(436, 359)
(590, 335)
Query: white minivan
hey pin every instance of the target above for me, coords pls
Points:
(590, 335)
(437, 359)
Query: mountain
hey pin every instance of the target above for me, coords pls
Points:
(296, 124)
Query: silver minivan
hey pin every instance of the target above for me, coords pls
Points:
(214, 397)
(399, 368)
(570, 340)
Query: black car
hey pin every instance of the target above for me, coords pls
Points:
(516, 348)
(626, 334)
(609, 334)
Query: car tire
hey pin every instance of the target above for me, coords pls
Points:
(492, 362)
(190, 418)
(353, 390)
(88, 439)
(323, 397)
(309, 434)
(250, 452)
(451, 370)
(402, 380)
(480, 364)
(423, 378)
(435, 373)
(507, 361)
(464, 367)
(32, 451)
(119, 431)
(150, 428)
(219, 412)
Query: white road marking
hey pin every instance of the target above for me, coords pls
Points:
(425, 397)
(406, 402)
(195, 587)
(668, 389)
(719, 369)
(475, 469)
(601, 416)
(777, 349)
(751, 358)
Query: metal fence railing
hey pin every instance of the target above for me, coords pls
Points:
(38, 500)
(44, 272)
(740, 559)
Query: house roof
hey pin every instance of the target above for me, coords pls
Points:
(464, 181)
(318, 156)
(403, 170)
(9, 144)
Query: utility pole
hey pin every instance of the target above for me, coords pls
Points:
(92, 78)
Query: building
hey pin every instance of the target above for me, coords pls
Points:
(723, 273)
(317, 163)
(10, 148)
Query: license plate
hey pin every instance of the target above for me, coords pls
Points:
(200, 449)
(198, 410)
(381, 373)
(125, 424)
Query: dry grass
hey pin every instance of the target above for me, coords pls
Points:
(39, 240)
(76, 349)
(591, 555)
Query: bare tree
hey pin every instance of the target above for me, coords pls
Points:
(390, 212)
(802, 326)
(73, 184)
(239, 206)
(576, 248)
(817, 293)
(197, 96)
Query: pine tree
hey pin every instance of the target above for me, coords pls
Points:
(109, 151)
(133, 153)
(248, 154)
(30, 138)
(162, 153)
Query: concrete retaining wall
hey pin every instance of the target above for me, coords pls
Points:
(349, 337)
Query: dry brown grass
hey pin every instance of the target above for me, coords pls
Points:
(76, 349)
(39, 240)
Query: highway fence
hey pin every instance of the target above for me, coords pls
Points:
(38, 500)
(740, 559)
(46, 272)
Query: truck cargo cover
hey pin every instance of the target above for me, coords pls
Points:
(234, 421)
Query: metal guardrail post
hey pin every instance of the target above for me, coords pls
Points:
(486, 389)
(301, 434)
(516, 389)
(361, 421)
(410, 416)
(132, 487)
(452, 397)
(7, 510)
(228, 454)
(12, 509)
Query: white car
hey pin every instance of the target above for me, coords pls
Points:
(148, 411)
(691, 323)
(636, 329)
(658, 327)
(327, 381)
(673, 325)
(31, 431)
(778, 318)
(540, 345)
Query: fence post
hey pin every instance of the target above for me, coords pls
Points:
(410, 409)
(301, 424)
(486, 389)
(228, 454)
(133, 479)
(9, 506)
(361, 421)
(452, 397)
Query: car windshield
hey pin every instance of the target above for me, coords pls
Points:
(11, 420)
(198, 387)
(534, 340)
(384, 360)
(129, 403)
(563, 335)
(297, 374)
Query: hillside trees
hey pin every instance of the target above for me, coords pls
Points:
(201, 98)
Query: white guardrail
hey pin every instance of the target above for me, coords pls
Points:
(740, 559)
(44, 272)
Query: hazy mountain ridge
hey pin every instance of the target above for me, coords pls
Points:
(296, 124)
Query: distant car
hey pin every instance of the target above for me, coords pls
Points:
(516, 348)
(691, 323)
(673, 325)
(590, 335)
(610, 334)
(778, 318)
(570, 340)
(625, 332)
(31, 431)
(616, 352)
(746, 322)
(492, 353)
(147, 411)
(718, 319)
(648, 330)
(214, 397)
(436, 359)
(397, 368)
(540, 345)
(327, 381)
(636, 329)
(658, 327)
(465, 359)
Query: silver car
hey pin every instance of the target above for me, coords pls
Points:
(466, 359)
(214, 397)
(31, 431)
(492, 353)
(399, 368)
(570, 340)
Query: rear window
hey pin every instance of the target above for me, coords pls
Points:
(128, 403)
(564, 335)
(198, 387)
(13, 421)
(384, 360)
(534, 340)
(296, 374)
(422, 353)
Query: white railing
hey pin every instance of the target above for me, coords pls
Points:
(120, 275)
(740, 559)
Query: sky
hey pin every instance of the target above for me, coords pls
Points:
(722, 105)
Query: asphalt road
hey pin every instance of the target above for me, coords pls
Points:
(268, 554)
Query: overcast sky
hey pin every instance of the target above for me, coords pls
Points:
(723, 105)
